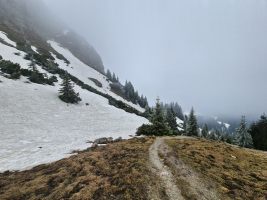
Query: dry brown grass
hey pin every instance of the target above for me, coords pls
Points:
(115, 171)
(237, 173)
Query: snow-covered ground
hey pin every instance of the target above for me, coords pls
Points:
(4, 37)
(32, 116)
(34, 49)
(83, 72)
(8, 53)
(36, 127)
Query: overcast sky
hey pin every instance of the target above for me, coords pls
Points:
(210, 54)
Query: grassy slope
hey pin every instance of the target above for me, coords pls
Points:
(115, 171)
(122, 171)
(238, 173)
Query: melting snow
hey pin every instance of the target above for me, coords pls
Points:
(34, 49)
(179, 121)
(227, 125)
(180, 124)
(36, 127)
(8, 53)
(32, 116)
(84, 72)
(6, 39)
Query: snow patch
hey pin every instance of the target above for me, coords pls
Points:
(179, 121)
(34, 49)
(6, 39)
(8, 53)
(227, 125)
(180, 124)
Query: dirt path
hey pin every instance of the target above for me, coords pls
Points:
(164, 172)
(178, 179)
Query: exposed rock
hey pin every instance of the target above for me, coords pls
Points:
(94, 145)
(103, 140)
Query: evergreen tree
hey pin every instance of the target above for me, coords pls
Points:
(192, 126)
(141, 101)
(67, 93)
(205, 131)
(145, 102)
(258, 132)
(114, 78)
(109, 76)
(176, 108)
(212, 135)
(35, 76)
(33, 64)
(171, 120)
(243, 137)
(148, 112)
(129, 91)
(185, 124)
(218, 134)
(159, 125)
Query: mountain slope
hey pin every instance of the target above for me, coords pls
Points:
(36, 126)
(30, 21)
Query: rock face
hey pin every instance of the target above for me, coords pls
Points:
(31, 21)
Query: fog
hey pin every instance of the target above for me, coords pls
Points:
(202, 53)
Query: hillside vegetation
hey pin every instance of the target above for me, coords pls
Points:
(124, 170)
(116, 171)
(237, 173)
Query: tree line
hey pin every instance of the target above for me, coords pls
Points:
(162, 124)
(127, 91)
(163, 121)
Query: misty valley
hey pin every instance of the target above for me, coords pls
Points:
(133, 100)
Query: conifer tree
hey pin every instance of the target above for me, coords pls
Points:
(192, 126)
(67, 93)
(171, 120)
(159, 126)
(185, 124)
(129, 91)
(212, 135)
(205, 131)
(258, 131)
(114, 78)
(109, 76)
(243, 137)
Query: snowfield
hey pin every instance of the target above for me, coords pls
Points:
(84, 72)
(4, 37)
(36, 127)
